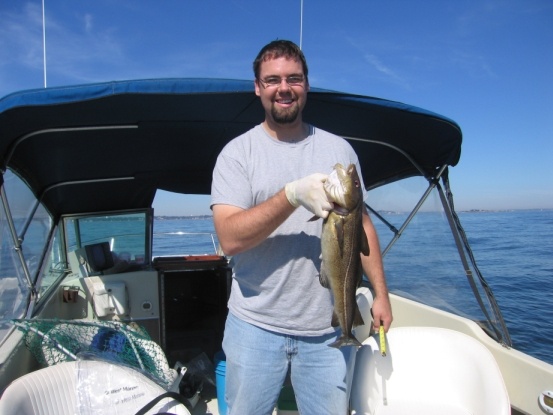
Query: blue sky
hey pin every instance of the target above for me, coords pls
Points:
(487, 64)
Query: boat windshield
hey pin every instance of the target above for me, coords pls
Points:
(127, 237)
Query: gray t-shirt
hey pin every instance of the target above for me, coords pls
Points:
(276, 284)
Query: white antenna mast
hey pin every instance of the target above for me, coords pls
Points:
(44, 41)
(301, 22)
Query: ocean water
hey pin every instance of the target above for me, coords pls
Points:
(513, 250)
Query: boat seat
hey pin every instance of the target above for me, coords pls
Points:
(430, 371)
(85, 387)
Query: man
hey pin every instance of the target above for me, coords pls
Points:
(279, 314)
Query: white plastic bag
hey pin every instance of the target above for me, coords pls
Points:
(105, 388)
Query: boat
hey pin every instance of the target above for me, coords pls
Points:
(91, 320)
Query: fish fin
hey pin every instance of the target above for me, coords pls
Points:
(358, 319)
(339, 227)
(335, 322)
(314, 218)
(323, 279)
(359, 279)
(365, 250)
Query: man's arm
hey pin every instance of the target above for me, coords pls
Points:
(374, 270)
(239, 230)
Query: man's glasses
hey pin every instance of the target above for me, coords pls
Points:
(275, 81)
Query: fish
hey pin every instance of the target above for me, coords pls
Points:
(343, 240)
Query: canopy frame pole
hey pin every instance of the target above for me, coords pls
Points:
(464, 249)
(17, 244)
(16, 143)
(397, 233)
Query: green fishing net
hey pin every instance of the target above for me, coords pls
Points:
(54, 341)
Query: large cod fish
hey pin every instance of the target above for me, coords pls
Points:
(343, 240)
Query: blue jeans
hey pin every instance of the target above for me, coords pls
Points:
(257, 364)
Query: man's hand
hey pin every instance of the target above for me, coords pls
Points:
(382, 313)
(309, 193)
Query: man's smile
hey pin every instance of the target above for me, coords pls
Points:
(285, 101)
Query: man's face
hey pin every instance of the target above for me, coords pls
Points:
(283, 103)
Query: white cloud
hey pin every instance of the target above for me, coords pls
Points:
(377, 64)
(88, 20)
(21, 37)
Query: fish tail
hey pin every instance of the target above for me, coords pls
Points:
(345, 340)
(335, 320)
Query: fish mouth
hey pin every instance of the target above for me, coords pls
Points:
(343, 187)
(335, 189)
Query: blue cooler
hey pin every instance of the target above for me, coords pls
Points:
(220, 361)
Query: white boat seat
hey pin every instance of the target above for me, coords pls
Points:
(430, 371)
(85, 387)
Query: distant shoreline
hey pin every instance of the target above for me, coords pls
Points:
(203, 217)
(193, 217)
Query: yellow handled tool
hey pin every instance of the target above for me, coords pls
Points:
(382, 336)
(382, 339)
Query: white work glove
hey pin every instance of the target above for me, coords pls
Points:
(309, 193)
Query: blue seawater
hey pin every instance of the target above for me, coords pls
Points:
(513, 250)
(184, 236)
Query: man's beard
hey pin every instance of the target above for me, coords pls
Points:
(285, 116)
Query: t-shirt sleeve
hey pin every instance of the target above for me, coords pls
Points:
(230, 184)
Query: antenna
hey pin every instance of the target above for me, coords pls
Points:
(301, 22)
(44, 41)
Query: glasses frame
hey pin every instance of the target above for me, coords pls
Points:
(268, 85)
